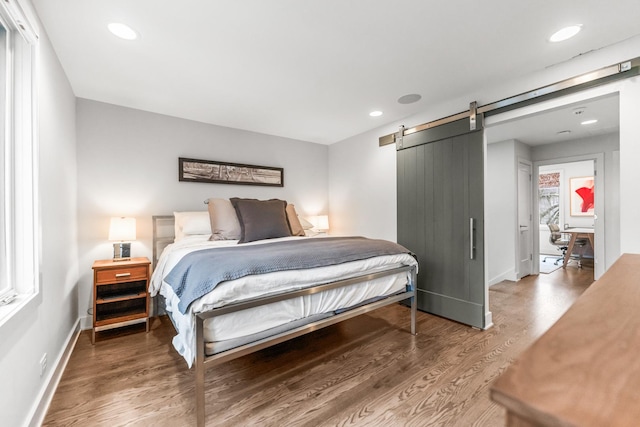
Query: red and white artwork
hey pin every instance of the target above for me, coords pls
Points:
(582, 196)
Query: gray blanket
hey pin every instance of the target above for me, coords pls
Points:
(199, 272)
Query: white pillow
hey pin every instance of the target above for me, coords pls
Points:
(191, 223)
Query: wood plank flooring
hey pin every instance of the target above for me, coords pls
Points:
(366, 371)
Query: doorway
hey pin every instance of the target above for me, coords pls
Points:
(560, 203)
(551, 134)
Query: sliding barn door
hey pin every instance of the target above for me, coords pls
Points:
(441, 218)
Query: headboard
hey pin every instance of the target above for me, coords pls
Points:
(163, 235)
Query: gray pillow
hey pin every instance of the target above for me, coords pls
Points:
(261, 219)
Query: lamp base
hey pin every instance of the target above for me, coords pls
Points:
(121, 251)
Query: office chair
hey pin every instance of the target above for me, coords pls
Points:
(562, 240)
(556, 238)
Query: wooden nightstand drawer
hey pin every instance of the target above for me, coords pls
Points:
(122, 274)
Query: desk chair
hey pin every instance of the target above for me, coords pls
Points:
(561, 240)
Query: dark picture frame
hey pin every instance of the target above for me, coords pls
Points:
(211, 171)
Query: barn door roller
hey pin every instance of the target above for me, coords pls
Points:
(473, 110)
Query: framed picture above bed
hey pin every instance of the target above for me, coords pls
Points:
(194, 170)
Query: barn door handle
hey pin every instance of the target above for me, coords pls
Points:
(471, 238)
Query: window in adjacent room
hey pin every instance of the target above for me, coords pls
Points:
(19, 245)
(549, 197)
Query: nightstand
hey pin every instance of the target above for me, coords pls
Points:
(120, 294)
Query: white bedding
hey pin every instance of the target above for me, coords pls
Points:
(234, 325)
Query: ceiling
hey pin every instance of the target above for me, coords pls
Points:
(561, 124)
(313, 70)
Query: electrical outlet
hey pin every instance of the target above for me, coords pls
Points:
(43, 364)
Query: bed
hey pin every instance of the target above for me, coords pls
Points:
(244, 314)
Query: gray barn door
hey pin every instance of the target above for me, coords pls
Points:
(441, 218)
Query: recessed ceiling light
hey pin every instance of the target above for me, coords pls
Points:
(375, 113)
(123, 31)
(565, 33)
(589, 122)
(409, 99)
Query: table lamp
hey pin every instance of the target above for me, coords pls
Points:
(123, 231)
(320, 223)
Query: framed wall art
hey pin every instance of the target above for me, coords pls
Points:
(193, 170)
(581, 196)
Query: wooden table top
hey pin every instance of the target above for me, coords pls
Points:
(110, 263)
(585, 370)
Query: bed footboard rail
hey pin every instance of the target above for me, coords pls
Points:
(202, 359)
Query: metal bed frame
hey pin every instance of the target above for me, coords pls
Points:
(203, 361)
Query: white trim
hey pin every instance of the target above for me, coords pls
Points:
(41, 404)
(488, 320)
(487, 324)
(510, 275)
(20, 20)
(518, 256)
(86, 322)
(20, 219)
(9, 310)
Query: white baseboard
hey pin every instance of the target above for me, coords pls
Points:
(86, 322)
(507, 275)
(39, 410)
(488, 320)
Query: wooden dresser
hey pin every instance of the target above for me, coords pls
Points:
(585, 370)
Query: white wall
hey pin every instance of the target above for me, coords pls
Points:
(128, 166)
(45, 325)
(362, 187)
(501, 211)
(501, 208)
(629, 170)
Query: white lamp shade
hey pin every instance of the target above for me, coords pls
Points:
(122, 229)
(320, 222)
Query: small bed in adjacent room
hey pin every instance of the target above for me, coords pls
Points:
(244, 276)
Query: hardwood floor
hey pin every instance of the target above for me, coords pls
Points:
(365, 371)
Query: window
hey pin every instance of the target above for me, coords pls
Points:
(19, 248)
(549, 196)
